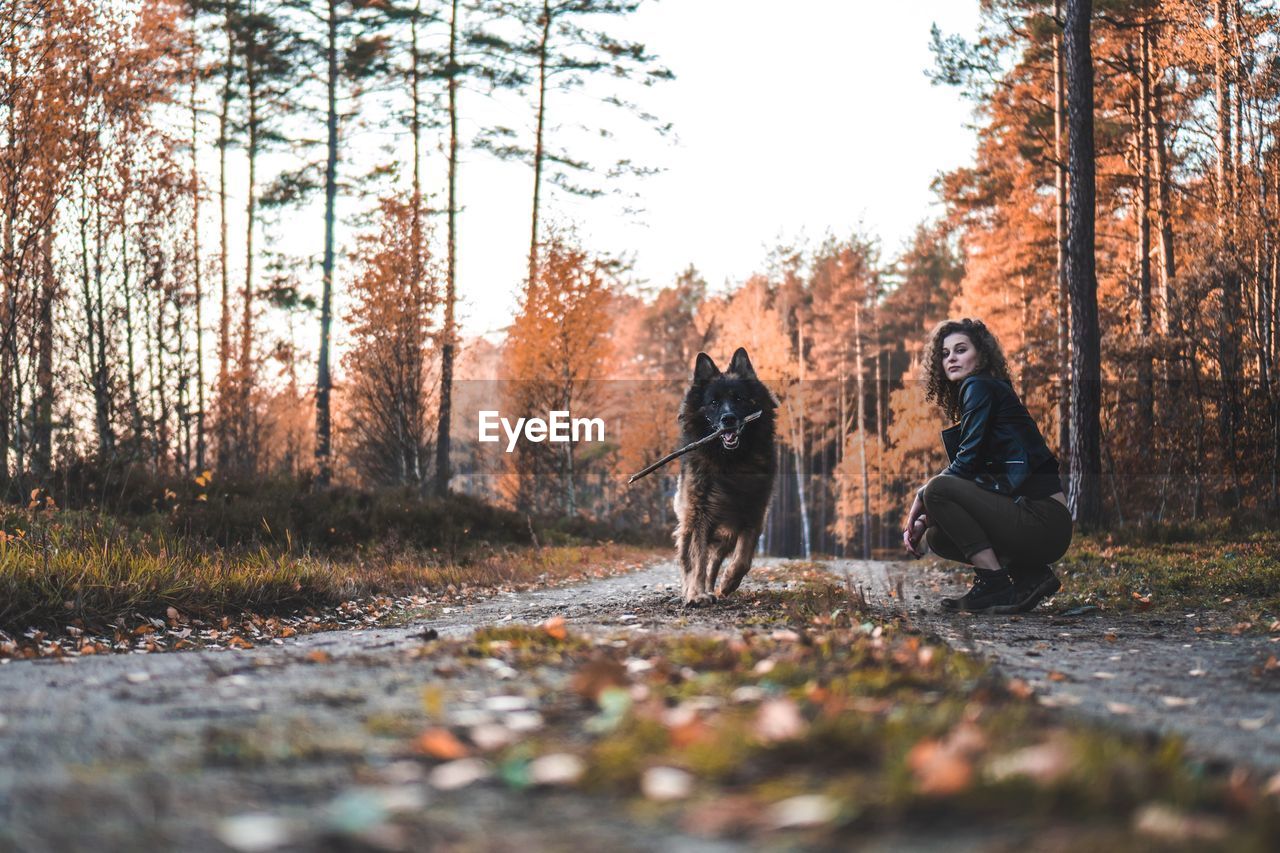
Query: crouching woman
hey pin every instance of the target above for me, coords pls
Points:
(999, 505)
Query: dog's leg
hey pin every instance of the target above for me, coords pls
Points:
(688, 568)
(741, 563)
(723, 547)
(694, 565)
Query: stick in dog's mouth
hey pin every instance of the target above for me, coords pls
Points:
(724, 435)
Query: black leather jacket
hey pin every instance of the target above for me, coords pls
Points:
(997, 444)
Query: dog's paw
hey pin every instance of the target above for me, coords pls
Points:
(702, 599)
(729, 587)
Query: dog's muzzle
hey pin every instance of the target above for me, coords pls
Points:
(729, 439)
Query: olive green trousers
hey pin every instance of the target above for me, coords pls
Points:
(965, 518)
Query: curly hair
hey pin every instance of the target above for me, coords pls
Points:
(941, 390)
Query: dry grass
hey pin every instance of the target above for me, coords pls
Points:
(94, 575)
(1209, 569)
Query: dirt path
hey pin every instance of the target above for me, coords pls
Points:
(304, 745)
(1140, 671)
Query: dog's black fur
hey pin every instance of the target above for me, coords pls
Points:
(725, 485)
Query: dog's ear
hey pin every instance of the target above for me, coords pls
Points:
(741, 365)
(704, 369)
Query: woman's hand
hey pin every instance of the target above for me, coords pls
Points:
(917, 523)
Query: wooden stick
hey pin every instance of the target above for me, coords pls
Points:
(682, 451)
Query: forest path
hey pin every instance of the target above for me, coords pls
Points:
(306, 745)
(1184, 673)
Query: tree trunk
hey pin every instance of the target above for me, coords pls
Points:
(195, 261)
(1168, 265)
(538, 152)
(324, 382)
(1228, 279)
(443, 444)
(841, 433)
(91, 350)
(42, 428)
(126, 288)
(245, 446)
(879, 461)
(1142, 116)
(862, 434)
(1060, 242)
(1084, 492)
(226, 403)
(98, 322)
(8, 310)
(798, 438)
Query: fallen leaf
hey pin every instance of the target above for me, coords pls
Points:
(1019, 688)
(939, 770)
(507, 703)
(1120, 708)
(778, 720)
(595, 676)
(560, 768)
(524, 721)
(1045, 763)
(764, 666)
(458, 774)
(666, 783)
(490, 736)
(319, 656)
(1177, 701)
(1054, 675)
(1161, 821)
(723, 816)
(555, 628)
(746, 694)
(440, 743)
(803, 811)
(688, 732)
(255, 832)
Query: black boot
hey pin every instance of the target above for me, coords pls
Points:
(1032, 584)
(989, 589)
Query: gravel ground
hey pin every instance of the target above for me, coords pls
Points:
(1183, 674)
(304, 746)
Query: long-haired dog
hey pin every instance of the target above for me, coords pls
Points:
(724, 487)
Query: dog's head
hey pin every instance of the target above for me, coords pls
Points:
(718, 400)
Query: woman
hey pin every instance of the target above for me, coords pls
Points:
(999, 505)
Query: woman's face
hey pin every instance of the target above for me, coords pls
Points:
(959, 356)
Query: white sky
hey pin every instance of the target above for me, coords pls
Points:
(793, 120)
